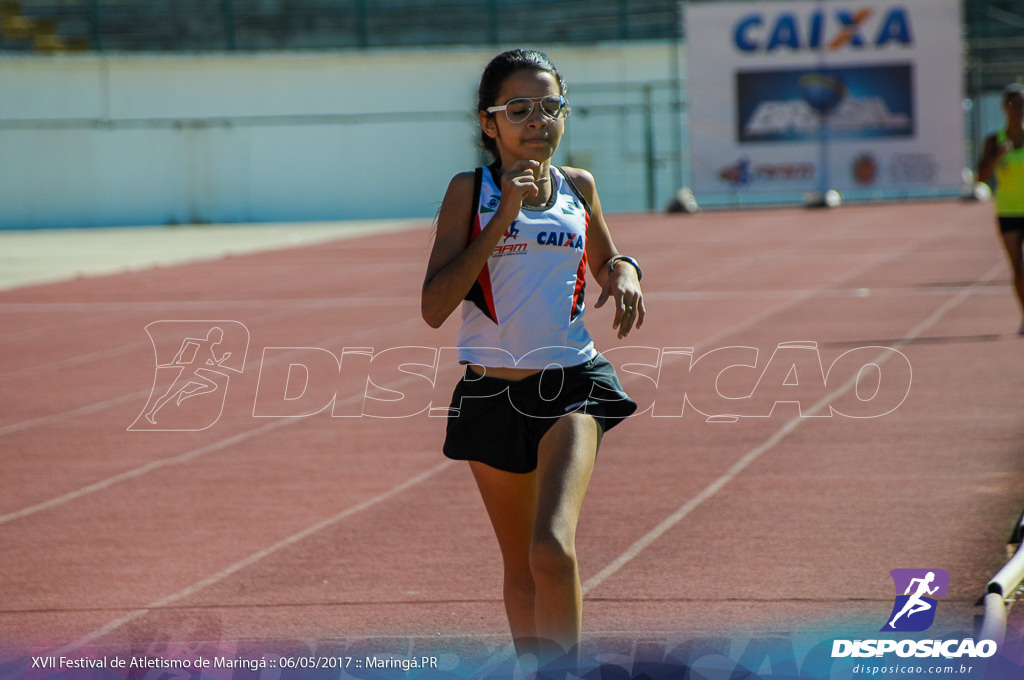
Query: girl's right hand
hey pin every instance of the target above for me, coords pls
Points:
(518, 182)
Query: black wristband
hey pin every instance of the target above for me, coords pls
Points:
(630, 260)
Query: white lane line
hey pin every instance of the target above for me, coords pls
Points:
(803, 295)
(176, 305)
(743, 463)
(253, 558)
(712, 295)
(176, 460)
(348, 340)
(141, 345)
(73, 413)
(145, 469)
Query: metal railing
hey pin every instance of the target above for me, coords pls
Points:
(1001, 592)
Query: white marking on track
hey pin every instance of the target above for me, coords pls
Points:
(253, 558)
(743, 463)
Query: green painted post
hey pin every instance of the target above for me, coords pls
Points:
(649, 143)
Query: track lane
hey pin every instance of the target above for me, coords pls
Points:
(651, 599)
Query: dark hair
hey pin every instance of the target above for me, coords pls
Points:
(1012, 89)
(500, 68)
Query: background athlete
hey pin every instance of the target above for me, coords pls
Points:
(1003, 159)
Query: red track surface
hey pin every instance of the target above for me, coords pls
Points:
(277, 529)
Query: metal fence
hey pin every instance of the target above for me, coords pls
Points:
(993, 42)
(176, 25)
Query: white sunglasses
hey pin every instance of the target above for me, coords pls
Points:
(520, 109)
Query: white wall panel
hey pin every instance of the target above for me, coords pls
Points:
(111, 140)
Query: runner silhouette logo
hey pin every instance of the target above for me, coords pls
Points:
(194, 364)
(916, 590)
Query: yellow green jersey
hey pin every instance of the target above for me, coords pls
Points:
(1009, 175)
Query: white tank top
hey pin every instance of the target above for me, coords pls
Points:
(526, 308)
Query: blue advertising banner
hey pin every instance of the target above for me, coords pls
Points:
(788, 99)
(858, 102)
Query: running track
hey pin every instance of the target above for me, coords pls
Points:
(276, 532)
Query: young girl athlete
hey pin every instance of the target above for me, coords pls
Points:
(1003, 157)
(513, 243)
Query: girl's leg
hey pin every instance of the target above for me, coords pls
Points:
(534, 518)
(1013, 242)
(565, 462)
(511, 501)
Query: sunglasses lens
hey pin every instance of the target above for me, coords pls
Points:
(553, 107)
(519, 110)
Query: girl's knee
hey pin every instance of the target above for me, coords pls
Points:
(553, 558)
(519, 579)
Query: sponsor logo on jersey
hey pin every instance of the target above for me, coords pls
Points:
(564, 239)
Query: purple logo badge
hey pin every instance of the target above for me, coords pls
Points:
(916, 590)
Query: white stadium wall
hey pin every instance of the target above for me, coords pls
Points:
(117, 139)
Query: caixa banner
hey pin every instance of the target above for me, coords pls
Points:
(790, 98)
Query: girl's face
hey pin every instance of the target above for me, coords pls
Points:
(538, 136)
(1013, 105)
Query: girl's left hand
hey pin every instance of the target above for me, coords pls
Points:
(623, 286)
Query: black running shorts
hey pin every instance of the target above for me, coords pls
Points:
(1009, 225)
(501, 422)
